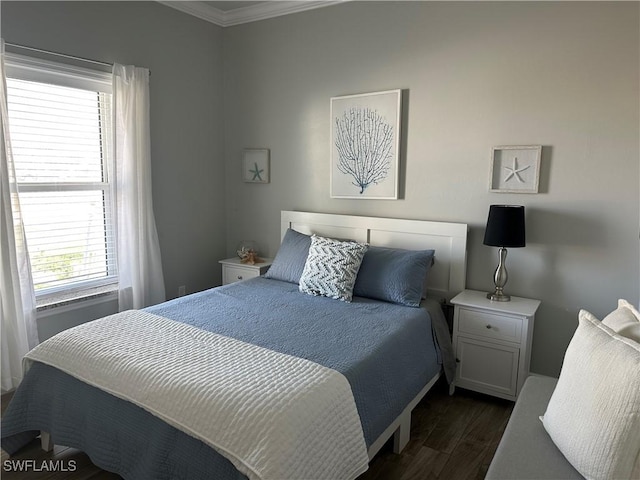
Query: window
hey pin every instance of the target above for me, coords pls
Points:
(60, 121)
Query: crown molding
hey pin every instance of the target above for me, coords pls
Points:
(262, 11)
(198, 9)
(252, 13)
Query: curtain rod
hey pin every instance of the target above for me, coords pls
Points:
(49, 52)
(73, 57)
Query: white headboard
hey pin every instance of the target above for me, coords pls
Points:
(449, 240)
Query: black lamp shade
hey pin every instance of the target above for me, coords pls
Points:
(505, 226)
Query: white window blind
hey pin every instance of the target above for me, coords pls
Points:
(61, 140)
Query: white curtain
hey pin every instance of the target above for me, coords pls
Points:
(17, 298)
(141, 282)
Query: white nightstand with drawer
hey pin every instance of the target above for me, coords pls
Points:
(234, 271)
(492, 343)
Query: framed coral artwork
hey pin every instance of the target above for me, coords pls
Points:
(365, 145)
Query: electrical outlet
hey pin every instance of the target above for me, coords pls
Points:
(181, 291)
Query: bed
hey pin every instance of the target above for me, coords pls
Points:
(383, 355)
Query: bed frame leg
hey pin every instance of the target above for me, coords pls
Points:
(46, 442)
(402, 434)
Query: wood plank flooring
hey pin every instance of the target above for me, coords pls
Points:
(452, 438)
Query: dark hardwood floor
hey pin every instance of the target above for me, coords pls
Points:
(452, 438)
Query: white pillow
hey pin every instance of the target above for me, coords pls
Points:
(593, 416)
(625, 321)
(331, 268)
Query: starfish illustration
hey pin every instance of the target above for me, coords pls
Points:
(515, 171)
(256, 172)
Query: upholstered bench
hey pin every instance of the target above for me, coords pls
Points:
(591, 414)
(526, 451)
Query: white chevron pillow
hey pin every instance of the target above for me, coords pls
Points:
(331, 268)
(593, 416)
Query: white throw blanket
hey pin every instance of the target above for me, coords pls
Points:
(274, 416)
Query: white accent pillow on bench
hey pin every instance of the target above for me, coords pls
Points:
(593, 416)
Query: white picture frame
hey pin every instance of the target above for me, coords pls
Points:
(255, 165)
(370, 169)
(515, 169)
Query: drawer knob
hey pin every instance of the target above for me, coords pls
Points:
(239, 277)
(488, 326)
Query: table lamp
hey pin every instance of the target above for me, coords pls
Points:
(505, 228)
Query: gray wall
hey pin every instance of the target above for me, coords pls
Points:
(184, 55)
(475, 75)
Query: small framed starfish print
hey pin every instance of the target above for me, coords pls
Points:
(255, 165)
(515, 169)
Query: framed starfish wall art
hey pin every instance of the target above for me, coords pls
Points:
(255, 165)
(515, 168)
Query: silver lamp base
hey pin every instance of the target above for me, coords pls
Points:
(500, 279)
(498, 297)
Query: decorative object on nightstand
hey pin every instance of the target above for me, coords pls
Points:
(505, 228)
(247, 251)
(492, 343)
(233, 270)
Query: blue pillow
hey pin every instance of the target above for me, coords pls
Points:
(291, 257)
(394, 275)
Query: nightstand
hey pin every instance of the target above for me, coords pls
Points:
(234, 271)
(492, 342)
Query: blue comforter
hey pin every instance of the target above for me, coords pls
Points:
(387, 353)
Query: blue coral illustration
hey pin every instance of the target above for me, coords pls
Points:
(364, 141)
